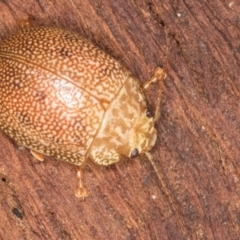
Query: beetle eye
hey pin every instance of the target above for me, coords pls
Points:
(134, 153)
(149, 114)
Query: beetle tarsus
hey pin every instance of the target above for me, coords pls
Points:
(81, 191)
(159, 76)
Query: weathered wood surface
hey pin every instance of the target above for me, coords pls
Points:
(197, 151)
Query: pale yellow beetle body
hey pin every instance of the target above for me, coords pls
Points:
(62, 96)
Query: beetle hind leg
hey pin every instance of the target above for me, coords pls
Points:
(81, 191)
(39, 156)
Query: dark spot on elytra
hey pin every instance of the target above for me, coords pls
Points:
(17, 85)
(40, 96)
(65, 52)
(24, 118)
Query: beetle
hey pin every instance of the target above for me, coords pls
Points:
(62, 96)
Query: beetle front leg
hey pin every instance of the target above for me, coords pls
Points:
(159, 76)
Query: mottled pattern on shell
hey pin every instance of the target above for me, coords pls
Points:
(123, 114)
(54, 90)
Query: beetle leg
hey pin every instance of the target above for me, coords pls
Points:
(159, 76)
(37, 155)
(26, 22)
(80, 191)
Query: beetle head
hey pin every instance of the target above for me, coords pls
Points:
(143, 135)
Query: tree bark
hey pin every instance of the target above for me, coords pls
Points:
(195, 194)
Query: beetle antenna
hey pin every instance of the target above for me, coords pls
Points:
(160, 178)
(165, 189)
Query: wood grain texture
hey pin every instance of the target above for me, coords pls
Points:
(197, 151)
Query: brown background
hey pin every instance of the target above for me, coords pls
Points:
(197, 151)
